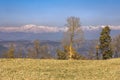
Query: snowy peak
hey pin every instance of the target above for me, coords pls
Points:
(33, 28)
(100, 27)
(46, 29)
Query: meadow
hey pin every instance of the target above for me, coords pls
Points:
(37, 69)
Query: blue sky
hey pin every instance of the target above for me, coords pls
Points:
(55, 12)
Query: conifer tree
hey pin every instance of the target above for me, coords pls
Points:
(105, 43)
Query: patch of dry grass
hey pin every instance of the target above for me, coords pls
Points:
(36, 69)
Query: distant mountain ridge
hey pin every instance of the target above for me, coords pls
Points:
(49, 29)
(33, 29)
(32, 32)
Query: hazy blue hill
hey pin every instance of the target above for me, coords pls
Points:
(2, 49)
(14, 36)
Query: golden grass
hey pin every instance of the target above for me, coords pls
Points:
(36, 69)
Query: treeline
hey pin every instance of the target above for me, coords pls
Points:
(37, 51)
(105, 47)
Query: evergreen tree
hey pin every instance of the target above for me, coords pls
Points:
(105, 43)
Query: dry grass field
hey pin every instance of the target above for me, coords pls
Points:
(36, 69)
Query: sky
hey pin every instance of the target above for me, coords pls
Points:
(55, 12)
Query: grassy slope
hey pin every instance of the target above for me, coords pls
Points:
(34, 69)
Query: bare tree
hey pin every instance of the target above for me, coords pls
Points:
(11, 52)
(74, 35)
(30, 53)
(38, 51)
(34, 51)
(19, 53)
(45, 51)
(93, 52)
(116, 46)
(36, 48)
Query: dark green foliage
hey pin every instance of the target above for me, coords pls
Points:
(105, 43)
(61, 54)
(77, 56)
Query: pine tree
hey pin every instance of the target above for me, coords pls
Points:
(105, 43)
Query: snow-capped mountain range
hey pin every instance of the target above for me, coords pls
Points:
(32, 28)
(32, 32)
(46, 29)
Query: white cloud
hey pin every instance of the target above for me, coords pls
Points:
(47, 29)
